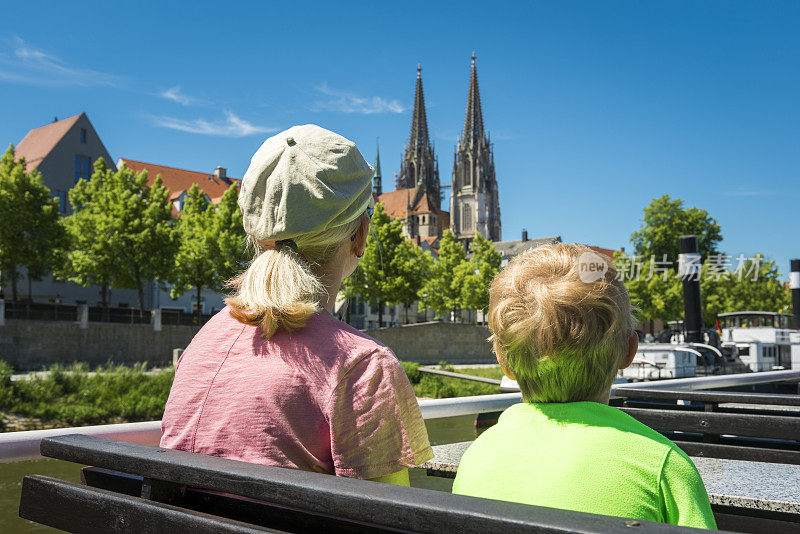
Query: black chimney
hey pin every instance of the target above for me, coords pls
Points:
(794, 285)
(689, 263)
(524, 234)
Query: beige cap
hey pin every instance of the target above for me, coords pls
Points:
(305, 179)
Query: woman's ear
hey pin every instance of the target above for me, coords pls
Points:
(360, 241)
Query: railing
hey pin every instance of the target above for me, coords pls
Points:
(37, 311)
(18, 446)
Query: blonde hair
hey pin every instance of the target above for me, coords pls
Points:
(562, 337)
(281, 288)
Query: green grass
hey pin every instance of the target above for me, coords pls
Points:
(71, 396)
(439, 387)
(76, 395)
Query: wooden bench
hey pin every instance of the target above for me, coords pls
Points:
(707, 429)
(138, 488)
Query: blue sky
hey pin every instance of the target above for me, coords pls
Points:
(594, 107)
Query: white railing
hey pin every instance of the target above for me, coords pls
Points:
(18, 446)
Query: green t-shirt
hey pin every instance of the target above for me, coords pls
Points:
(588, 457)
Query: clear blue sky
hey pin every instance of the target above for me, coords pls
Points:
(594, 107)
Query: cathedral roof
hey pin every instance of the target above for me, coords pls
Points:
(418, 140)
(473, 122)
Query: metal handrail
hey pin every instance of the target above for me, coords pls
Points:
(18, 446)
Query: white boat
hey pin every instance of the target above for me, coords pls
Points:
(764, 341)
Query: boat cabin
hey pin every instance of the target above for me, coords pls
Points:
(764, 341)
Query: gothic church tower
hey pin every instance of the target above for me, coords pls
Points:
(419, 168)
(474, 204)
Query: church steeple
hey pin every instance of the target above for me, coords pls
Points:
(474, 201)
(377, 185)
(419, 166)
(473, 122)
(418, 140)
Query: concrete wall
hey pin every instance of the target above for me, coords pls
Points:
(30, 345)
(430, 343)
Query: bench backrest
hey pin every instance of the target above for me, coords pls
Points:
(210, 494)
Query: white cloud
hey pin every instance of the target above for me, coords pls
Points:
(345, 102)
(30, 66)
(231, 126)
(176, 95)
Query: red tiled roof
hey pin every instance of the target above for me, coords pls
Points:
(39, 142)
(179, 180)
(395, 202)
(606, 251)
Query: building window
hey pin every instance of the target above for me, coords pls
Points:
(466, 219)
(83, 135)
(62, 200)
(83, 168)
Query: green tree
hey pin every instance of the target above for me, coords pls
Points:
(132, 226)
(197, 261)
(475, 276)
(88, 259)
(442, 291)
(30, 233)
(377, 280)
(665, 220)
(412, 265)
(230, 235)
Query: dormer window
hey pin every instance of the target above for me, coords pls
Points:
(83, 135)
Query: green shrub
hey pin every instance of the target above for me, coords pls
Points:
(412, 371)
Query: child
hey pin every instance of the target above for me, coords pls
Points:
(563, 334)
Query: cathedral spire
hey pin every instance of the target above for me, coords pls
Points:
(418, 141)
(473, 122)
(377, 186)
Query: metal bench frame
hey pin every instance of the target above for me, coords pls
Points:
(180, 490)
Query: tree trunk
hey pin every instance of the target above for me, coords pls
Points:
(199, 291)
(347, 311)
(380, 314)
(30, 298)
(13, 273)
(104, 300)
(140, 287)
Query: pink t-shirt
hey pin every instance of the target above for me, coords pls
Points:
(324, 398)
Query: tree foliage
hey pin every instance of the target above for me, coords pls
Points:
(123, 230)
(378, 278)
(665, 220)
(30, 231)
(442, 291)
(475, 276)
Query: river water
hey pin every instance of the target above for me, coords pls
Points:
(440, 431)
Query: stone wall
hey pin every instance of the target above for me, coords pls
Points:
(430, 343)
(31, 345)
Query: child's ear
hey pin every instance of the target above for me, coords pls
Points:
(633, 346)
(504, 366)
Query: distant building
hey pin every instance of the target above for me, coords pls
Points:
(417, 199)
(63, 151)
(178, 181)
(474, 203)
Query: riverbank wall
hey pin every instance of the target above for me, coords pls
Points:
(29, 345)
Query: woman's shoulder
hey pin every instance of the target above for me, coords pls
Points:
(341, 335)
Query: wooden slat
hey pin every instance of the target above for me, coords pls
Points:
(710, 396)
(735, 452)
(755, 426)
(81, 509)
(373, 503)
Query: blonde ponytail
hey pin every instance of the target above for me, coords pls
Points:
(281, 288)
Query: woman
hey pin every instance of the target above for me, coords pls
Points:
(274, 378)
